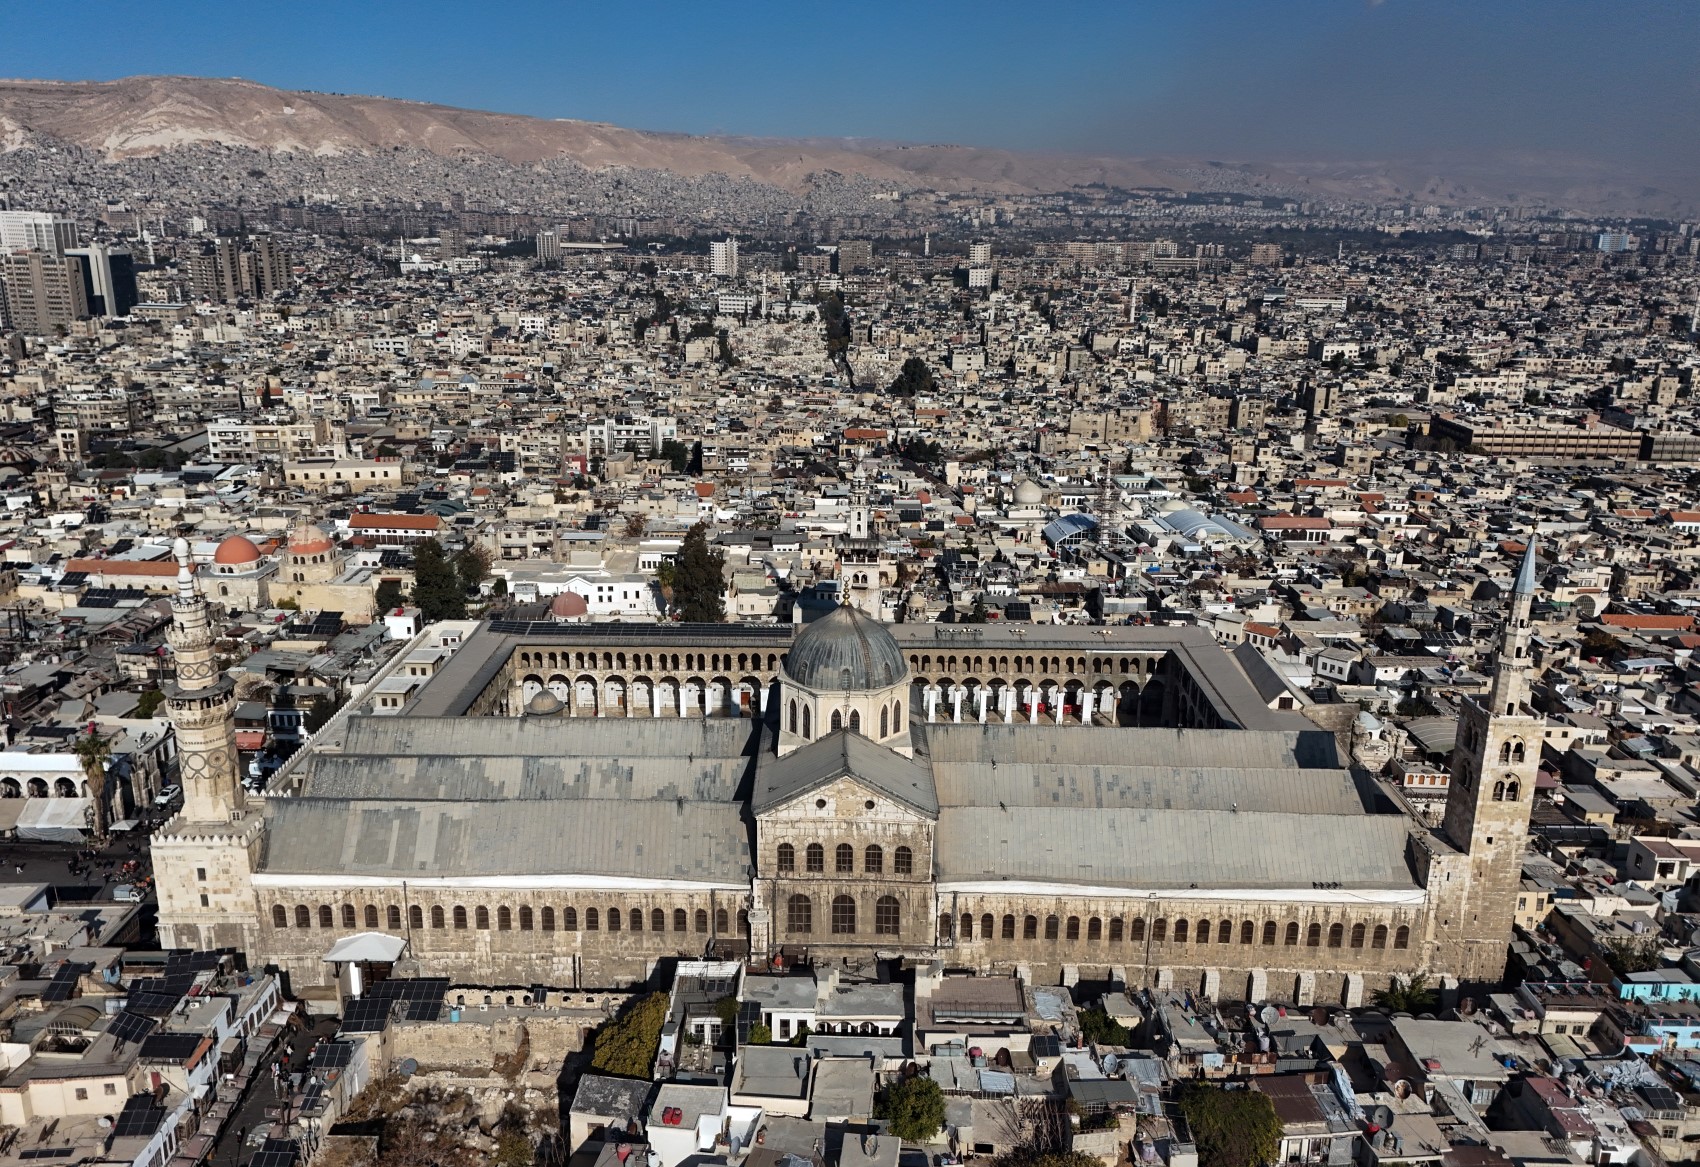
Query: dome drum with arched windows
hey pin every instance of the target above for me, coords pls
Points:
(844, 671)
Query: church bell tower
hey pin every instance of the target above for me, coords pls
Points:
(205, 856)
(1494, 765)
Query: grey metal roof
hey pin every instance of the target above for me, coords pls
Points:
(1172, 849)
(839, 754)
(667, 737)
(1105, 786)
(1093, 745)
(435, 778)
(845, 650)
(703, 842)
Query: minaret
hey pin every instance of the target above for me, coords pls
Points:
(204, 857)
(202, 705)
(1494, 765)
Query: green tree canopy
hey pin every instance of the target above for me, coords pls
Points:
(699, 588)
(1232, 1128)
(389, 594)
(148, 703)
(627, 1045)
(914, 377)
(472, 565)
(914, 1108)
(436, 585)
(1413, 996)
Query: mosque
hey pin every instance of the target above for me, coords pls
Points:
(562, 806)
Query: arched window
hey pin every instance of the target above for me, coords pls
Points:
(372, 916)
(1336, 935)
(844, 859)
(460, 918)
(393, 918)
(1402, 937)
(967, 926)
(614, 920)
(843, 916)
(1007, 930)
(1224, 931)
(1269, 931)
(635, 919)
(814, 857)
(986, 925)
(481, 915)
(947, 925)
(806, 733)
(1115, 929)
(1136, 930)
(1180, 931)
(787, 858)
(791, 715)
(837, 721)
(702, 920)
(1313, 936)
(799, 915)
(1073, 932)
(1051, 926)
(1357, 935)
(1292, 936)
(569, 919)
(1378, 938)
(1499, 792)
(1201, 932)
(1094, 928)
(280, 916)
(1248, 932)
(681, 920)
(856, 720)
(303, 916)
(546, 919)
(437, 920)
(325, 916)
(1159, 931)
(657, 920)
(347, 917)
(1516, 750)
(1512, 790)
(897, 717)
(873, 859)
(504, 919)
(885, 723)
(903, 861)
(592, 920)
(1030, 927)
(888, 918)
(722, 922)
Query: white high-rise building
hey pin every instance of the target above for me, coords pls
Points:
(723, 257)
(36, 231)
(980, 253)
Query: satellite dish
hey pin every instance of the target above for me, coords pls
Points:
(104, 1122)
(408, 1068)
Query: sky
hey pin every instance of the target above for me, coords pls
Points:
(1609, 81)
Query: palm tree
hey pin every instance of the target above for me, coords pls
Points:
(92, 752)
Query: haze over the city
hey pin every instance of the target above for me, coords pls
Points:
(1509, 85)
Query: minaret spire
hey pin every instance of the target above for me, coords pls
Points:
(202, 704)
(1510, 690)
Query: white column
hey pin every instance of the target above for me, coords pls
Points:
(1033, 705)
(1086, 707)
(1006, 704)
(956, 703)
(761, 697)
(655, 700)
(932, 700)
(601, 700)
(982, 697)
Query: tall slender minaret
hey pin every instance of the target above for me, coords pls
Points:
(1494, 765)
(204, 858)
(202, 705)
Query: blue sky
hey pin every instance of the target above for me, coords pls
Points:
(1217, 78)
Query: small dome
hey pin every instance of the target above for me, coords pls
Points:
(308, 540)
(545, 704)
(1028, 492)
(568, 606)
(237, 551)
(845, 650)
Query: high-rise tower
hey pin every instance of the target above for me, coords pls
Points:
(203, 858)
(1494, 764)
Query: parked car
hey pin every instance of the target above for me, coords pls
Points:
(167, 796)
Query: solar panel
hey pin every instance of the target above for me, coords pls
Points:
(128, 1026)
(366, 1016)
(333, 1055)
(422, 1011)
(153, 1004)
(140, 1116)
(64, 982)
(276, 1153)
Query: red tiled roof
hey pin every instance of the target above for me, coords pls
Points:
(394, 522)
(154, 567)
(1648, 623)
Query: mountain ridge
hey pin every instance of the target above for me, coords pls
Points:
(148, 115)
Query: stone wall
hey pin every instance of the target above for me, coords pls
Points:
(475, 1040)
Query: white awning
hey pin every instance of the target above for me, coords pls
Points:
(54, 820)
(366, 946)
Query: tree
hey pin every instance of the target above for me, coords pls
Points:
(320, 710)
(913, 1108)
(389, 595)
(677, 453)
(760, 1035)
(1412, 996)
(436, 586)
(1100, 1028)
(92, 753)
(472, 565)
(699, 588)
(148, 703)
(978, 614)
(1626, 955)
(1232, 1128)
(627, 1045)
(914, 377)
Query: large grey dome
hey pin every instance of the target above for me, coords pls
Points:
(845, 650)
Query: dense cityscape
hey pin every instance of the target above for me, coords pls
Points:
(531, 662)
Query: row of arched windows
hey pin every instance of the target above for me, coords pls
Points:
(800, 916)
(1507, 791)
(506, 919)
(1130, 665)
(716, 661)
(891, 720)
(1115, 930)
(844, 859)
